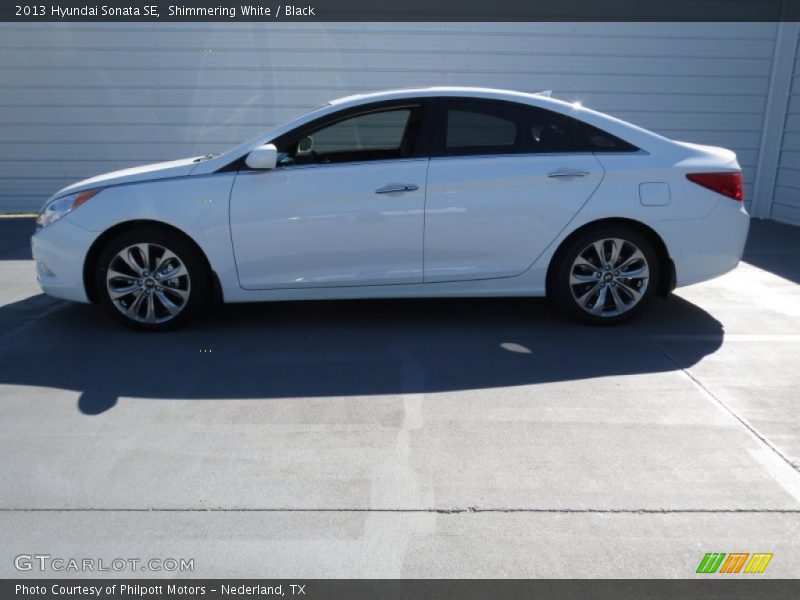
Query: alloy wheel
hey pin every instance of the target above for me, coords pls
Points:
(148, 283)
(609, 277)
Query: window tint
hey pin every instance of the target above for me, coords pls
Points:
(370, 136)
(505, 128)
(469, 129)
(383, 130)
(549, 133)
(597, 140)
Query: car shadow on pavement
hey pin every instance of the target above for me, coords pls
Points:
(15, 238)
(335, 349)
(774, 247)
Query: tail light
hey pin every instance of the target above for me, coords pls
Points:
(727, 184)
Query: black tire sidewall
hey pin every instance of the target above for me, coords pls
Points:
(559, 274)
(183, 249)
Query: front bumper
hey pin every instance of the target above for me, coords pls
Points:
(60, 251)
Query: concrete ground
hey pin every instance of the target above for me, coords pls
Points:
(451, 438)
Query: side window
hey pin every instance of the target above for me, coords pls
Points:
(549, 134)
(468, 129)
(369, 136)
(486, 127)
(597, 140)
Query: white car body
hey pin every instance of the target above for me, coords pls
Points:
(474, 225)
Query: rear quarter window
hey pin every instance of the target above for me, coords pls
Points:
(597, 140)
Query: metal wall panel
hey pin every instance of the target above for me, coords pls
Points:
(77, 99)
(786, 200)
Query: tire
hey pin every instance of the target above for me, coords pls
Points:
(609, 289)
(152, 279)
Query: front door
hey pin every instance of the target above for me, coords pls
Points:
(344, 207)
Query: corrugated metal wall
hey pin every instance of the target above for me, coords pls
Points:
(77, 99)
(786, 201)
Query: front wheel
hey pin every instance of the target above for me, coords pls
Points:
(152, 279)
(605, 276)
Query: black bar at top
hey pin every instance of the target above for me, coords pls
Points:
(406, 10)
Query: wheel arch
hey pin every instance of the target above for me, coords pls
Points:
(667, 278)
(93, 255)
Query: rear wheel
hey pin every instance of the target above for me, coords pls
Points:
(152, 279)
(605, 276)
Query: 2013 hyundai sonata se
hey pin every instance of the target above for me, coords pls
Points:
(412, 193)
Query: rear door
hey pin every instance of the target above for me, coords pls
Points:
(503, 182)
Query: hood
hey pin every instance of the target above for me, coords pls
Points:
(163, 170)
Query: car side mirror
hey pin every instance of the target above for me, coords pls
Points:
(263, 157)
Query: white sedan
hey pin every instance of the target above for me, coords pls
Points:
(435, 192)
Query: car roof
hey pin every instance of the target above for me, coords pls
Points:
(642, 138)
(435, 90)
(447, 91)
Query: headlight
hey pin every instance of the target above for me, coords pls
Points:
(55, 209)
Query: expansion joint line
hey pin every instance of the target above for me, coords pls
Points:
(721, 403)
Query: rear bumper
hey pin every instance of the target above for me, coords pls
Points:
(709, 247)
(59, 251)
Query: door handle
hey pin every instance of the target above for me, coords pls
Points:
(568, 173)
(397, 187)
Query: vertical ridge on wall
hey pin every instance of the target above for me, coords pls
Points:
(77, 99)
(786, 199)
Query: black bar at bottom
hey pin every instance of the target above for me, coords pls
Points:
(710, 588)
